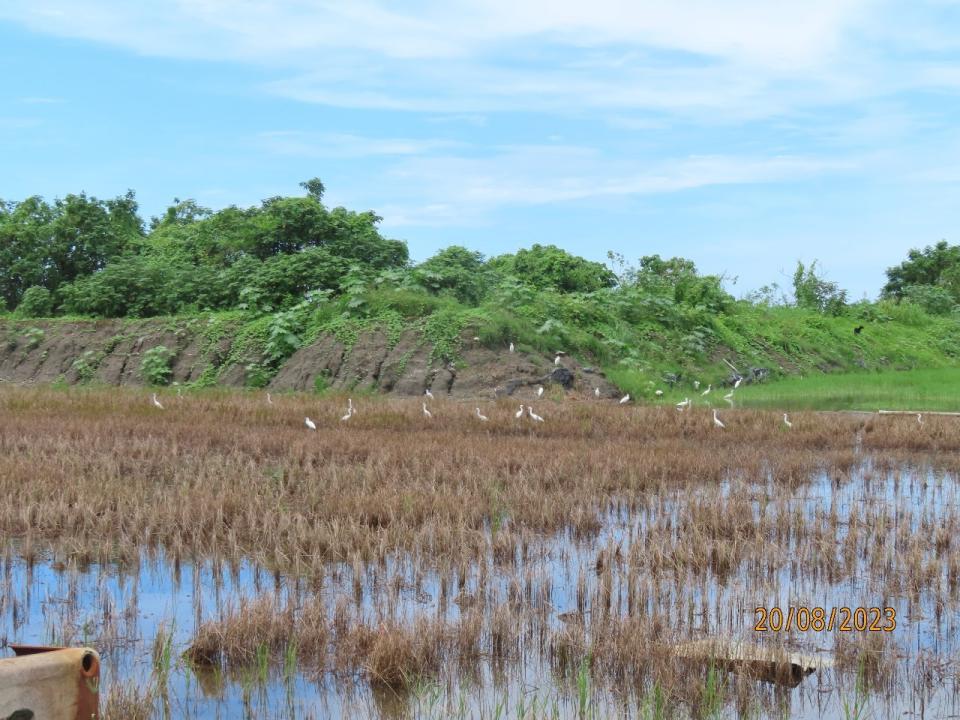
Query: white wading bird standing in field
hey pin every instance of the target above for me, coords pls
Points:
(156, 403)
(426, 412)
(556, 360)
(480, 415)
(540, 391)
(511, 347)
(269, 399)
(596, 392)
(728, 396)
(310, 424)
(786, 421)
(625, 399)
(533, 415)
(428, 393)
(349, 412)
(716, 420)
(707, 391)
(658, 393)
(696, 384)
(683, 404)
(519, 413)
(920, 418)
(737, 383)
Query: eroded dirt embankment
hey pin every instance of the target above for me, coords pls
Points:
(112, 352)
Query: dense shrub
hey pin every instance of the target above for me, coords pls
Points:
(36, 302)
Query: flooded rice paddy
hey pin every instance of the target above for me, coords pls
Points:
(227, 562)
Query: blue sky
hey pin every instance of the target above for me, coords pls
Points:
(742, 134)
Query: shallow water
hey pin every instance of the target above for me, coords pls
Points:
(120, 609)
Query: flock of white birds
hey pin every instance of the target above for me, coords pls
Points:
(680, 406)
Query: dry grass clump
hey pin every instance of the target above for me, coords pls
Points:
(240, 633)
(389, 652)
(128, 701)
(873, 654)
(398, 655)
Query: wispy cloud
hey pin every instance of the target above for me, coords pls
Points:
(452, 189)
(343, 145)
(741, 58)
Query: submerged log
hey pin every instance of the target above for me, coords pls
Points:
(769, 664)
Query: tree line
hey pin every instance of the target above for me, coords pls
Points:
(83, 256)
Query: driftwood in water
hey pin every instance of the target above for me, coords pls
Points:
(770, 664)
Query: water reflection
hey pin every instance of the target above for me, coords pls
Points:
(870, 539)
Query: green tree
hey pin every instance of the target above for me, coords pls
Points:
(48, 245)
(933, 299)
(549, 267)
(314, 188)
(455, 271)
(934, 265)
(813, 292)
(35, 303)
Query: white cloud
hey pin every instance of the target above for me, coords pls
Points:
(450, 190)
(740, 58)
(781, 34)
(343, 145)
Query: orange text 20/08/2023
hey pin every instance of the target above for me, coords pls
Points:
(818, 619)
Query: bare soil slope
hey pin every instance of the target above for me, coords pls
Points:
(111, 352)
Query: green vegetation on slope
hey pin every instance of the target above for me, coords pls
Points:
(283, 273)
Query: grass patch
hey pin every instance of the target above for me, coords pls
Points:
(936, 389)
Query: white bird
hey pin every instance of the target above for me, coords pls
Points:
(310, 424)
(269, 399)
(427, 412)
(556, 360)
(350, 406)
(511, 347)
(596, 392)
(480, 415)
(684, 403)
(533, 415)
(348, 415)
(737, 383)
(428, 393)
(786, 421)
(920, 418)
(625, 399)
(696, 384)
(707, 391)
(540, 391)
(519, 413)
(658, 393)
(156, 403)
(728, 396)
(716, 420)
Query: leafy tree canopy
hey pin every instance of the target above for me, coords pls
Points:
(549, 267)
(46, 245)
(934, 265)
